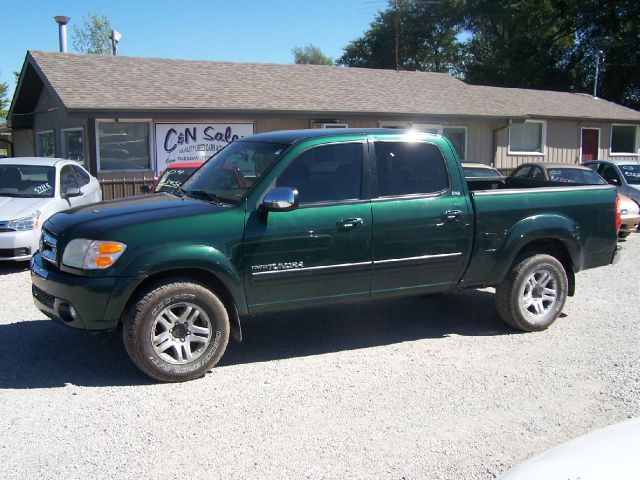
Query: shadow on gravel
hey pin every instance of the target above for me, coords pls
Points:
(7, 268)
(315, 331)
(43, 354)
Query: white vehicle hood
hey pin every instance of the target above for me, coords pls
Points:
(608, 453)
(14, 207)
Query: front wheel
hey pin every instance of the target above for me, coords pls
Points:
(176, 331)
(532, 295)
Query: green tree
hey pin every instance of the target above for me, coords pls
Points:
(4, 100)
(411, 35)
(94, 36)
(524, 43)
(310, 55)
(613, 28)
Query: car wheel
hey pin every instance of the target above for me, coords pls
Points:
(176, 331)
(532, 295)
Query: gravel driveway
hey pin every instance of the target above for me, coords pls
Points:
(418, 388)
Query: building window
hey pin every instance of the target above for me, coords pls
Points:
(407, 168)
(73, 144)
(394, 125)
(45, 144)
(124, 145)
(456, 135)
(624, 140)
(527, 138)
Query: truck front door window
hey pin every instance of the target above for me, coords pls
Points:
(326, 174)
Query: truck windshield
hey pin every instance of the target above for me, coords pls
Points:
(231, 173)
(27, 181)
(173, 178)
(631, 173)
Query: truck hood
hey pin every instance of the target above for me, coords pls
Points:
(13, 207)
(95, 220)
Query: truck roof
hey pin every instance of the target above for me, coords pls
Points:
(293, 136)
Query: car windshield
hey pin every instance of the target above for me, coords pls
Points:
(631, 173)
(231, 173)
(479, 172)
(27, 181)
(575, 175)
(173, 178)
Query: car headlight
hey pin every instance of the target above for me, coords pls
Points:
(23, 224)
(92, 254)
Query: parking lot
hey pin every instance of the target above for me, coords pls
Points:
(424, 387)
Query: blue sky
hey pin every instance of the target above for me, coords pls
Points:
(232, 30)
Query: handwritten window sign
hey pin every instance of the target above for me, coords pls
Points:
(193, 142)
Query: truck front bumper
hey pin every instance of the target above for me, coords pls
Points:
(80, 302)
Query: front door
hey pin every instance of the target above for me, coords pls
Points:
(423, 223)
(590, 144)
(323, 248)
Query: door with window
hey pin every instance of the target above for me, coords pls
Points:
(590, 143)
(321, 249)
(422, 222)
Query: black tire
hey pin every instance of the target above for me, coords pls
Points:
(532, 295)
(176, 331)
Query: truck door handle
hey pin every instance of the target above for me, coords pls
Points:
(349, 223)
(451, 215)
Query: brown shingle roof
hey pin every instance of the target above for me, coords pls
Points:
(95, 82)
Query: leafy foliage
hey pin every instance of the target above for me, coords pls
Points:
(411, 35)
(310, 55)
(520, 43)
(541, 44)
(4, 100)
(95, 35)
(612, 27)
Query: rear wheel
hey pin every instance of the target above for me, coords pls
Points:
(176, 331)
(532, 295)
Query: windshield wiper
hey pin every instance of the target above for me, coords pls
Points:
(204, 195)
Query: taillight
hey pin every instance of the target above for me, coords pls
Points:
(618, 219)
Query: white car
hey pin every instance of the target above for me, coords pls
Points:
(31, 190)
(608, 453)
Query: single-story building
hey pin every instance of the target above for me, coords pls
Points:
(128, 117)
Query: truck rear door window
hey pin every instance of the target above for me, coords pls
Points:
(327, 173)
(406, 168)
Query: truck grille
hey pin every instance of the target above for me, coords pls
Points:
(49, 247)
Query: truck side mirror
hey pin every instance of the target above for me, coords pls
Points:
(70, 192)
(280, 199)
(145, 188)
(613, 181)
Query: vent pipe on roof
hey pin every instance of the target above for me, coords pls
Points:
(62, 21)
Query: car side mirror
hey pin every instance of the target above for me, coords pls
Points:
(71, 192)
(613, 181)
(145, 188)
(281, 199)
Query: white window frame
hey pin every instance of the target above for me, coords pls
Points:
(582, 129)
(624, 154)
(543, 141)
(440, 131)
(152, 160)
(45, 132)
(63, 145)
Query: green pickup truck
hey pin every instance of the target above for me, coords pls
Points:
(290, 219)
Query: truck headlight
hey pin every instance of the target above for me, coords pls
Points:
(92, 254)
(23, 224)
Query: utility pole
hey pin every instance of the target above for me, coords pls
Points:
(595, 81)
